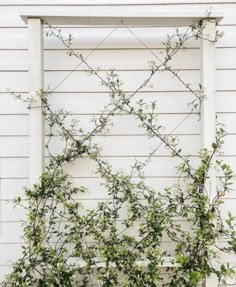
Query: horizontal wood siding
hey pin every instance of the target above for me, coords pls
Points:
(84, 97)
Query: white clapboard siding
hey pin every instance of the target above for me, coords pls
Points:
(225, 102)
(111, 146)
(19, 216)
(5, 269)
(18, 219)
(14, 167)
(11, 212)
(138, 59)
(189, 124)
(20, 213)
(17, 38)
(17, 60)
(14, 146)
(141, 146)
(14, 125)
(84, 97)
(12, 188)
(159, 166)
(134, 146)
(128, 125)
(9, 253)
(12, 232)
(93, 103)
(153, 37)
(13, 254)
(132, 80)
(9, 105)
(172, 123)
(76, 82)
(228, 121)
(19, 167)
(97, 190)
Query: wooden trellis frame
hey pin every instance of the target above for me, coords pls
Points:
(36, 72)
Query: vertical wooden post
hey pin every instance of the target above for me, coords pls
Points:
(36, 83)
(208, 83)
(208, 114)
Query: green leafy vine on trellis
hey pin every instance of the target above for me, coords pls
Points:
(120, 242)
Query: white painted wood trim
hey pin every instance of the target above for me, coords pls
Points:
(36, 82)
(208, 113)
(162, 19)
(208, 83)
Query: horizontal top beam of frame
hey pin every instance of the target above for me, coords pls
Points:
(164, 19)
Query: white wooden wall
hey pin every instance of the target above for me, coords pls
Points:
(84, 97)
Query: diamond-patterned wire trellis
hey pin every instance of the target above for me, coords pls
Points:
(148, 158)
(155, 57)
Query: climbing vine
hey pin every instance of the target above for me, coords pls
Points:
(120, 241)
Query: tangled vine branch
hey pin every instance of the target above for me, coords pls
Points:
(120, 242)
